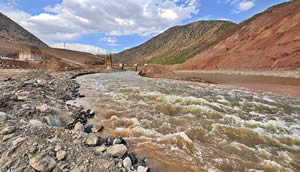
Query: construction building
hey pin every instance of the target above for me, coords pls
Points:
(30, 54)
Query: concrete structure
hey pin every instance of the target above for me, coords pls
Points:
(30, 54)
(108, 61)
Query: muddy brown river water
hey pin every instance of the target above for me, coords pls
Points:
(188, 127)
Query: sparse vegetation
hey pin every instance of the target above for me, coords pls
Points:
(178, 43)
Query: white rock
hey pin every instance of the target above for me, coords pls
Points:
(57, 148)
(92, 140)
(36, 123)
(78, 127)
(3, 116)
(60, 155)
(97, 127)
(42, 163)
(100, 149)
(127, 163)
(117, 150)
(43, 108)
(142, 169)
(8, 130)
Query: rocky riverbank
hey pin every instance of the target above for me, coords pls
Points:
(40, 132)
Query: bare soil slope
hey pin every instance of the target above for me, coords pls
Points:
(268, 40)
(178, 43)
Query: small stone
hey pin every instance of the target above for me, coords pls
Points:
(119, 165)
(77, 141)
(43, 108)
(42, 163)
(97, 127)
(100, 149)
(18, 140)
(8, 130)
(52, 121)
(6, 137)
(117, 150)
(127, 163)
(78, 127)
(142, 169)
(36, 123)
(3, 116)
(117, 141)
(57, 148)
(92, 140)
(60, 155)
(75, 170)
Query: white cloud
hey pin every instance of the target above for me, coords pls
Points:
(246, 5)
(111, 40)
(239, 5)
(72, 18)
(80, 47)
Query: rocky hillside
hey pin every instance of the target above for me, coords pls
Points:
(11, 32)
(267, 40)
(178, 43)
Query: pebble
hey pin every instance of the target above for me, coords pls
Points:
(127, 163)
(97, 127)
(36, 123)
(52, 121)
(117, 141)
(57, 148)
(60, 155)
(3, 116)
(8, 130)
(117, 150)
(142, 169)
(18, 140)
(42, 163)
(78, 127)
(100, 149)
(92, 140)
(43, 108)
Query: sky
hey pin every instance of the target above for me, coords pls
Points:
(110, 26)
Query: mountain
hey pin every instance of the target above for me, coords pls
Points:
(267, 40)
(178, 43)
(11, 32)
(13, 37)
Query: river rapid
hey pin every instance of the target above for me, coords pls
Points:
(181, 126)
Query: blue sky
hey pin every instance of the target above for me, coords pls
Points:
(114, 25)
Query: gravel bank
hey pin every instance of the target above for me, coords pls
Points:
(40, 132)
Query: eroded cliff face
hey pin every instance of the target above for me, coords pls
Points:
(267, 40)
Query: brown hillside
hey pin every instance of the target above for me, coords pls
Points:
(11, 32)
(178, 43)
(13, 37)
(268, 40)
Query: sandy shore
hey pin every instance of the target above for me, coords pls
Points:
(278, 82)
(244, 72)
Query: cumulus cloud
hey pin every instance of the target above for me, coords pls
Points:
(240, 5)
(72, 18)
(246, 5)
(80, 47)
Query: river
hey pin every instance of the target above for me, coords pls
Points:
(181, 126)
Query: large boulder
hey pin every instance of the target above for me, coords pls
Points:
(156, 71)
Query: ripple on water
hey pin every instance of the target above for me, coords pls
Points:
(210, 129)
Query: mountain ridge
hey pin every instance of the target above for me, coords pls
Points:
(178, 43)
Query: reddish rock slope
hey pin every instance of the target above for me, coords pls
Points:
(268, 40)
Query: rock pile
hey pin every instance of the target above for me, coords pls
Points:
(38, 131)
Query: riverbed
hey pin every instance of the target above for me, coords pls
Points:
(181, 126)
